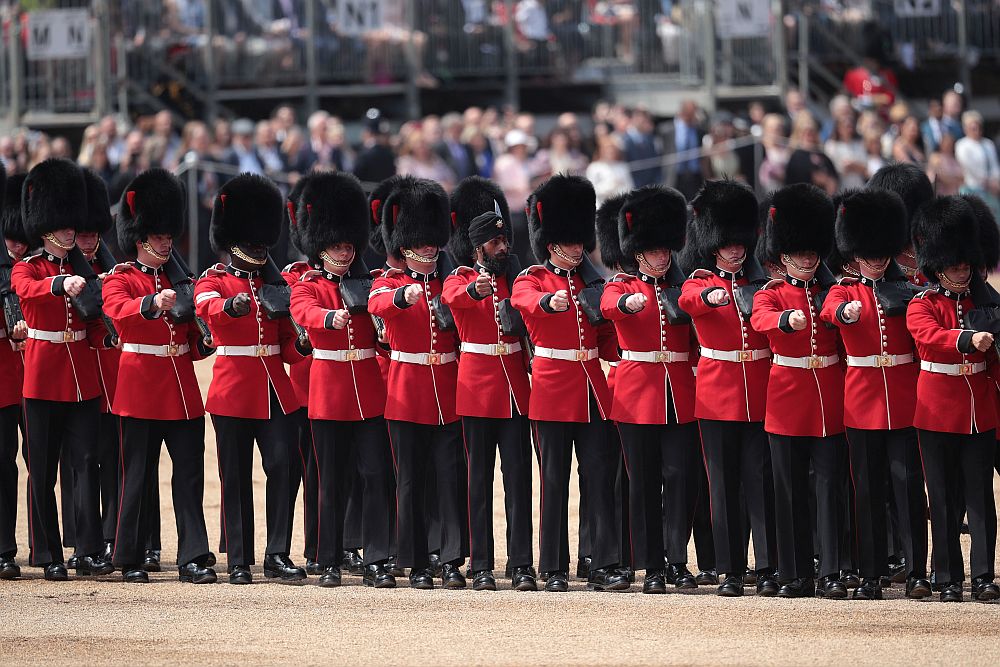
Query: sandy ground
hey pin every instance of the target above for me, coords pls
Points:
(103, 621)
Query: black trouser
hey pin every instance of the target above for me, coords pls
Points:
(303, 453)
(354, 535)
(878, 456)
(598, 460)
(790, 459)
(153, 505)
(741, 486)
(66, 497)
(663, 462)
(10, 418)
(704, 541)
(422, 452)
(483, 436)
(333, 442)
(108, 466)
(141, 440)
(50, 427)
(623, 517)
(275, 438)
(960, 474)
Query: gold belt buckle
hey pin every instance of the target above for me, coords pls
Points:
(965, 369)
(501, 349)
(352, 355)
(815, 362)
(69, 336)
(434, 359)
(663, 357)
(746, 355)
(883, 360)
(582, 355)
(260, 351)
(172, 349)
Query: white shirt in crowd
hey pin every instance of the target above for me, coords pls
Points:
(979, 161)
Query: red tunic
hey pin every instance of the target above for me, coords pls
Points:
(241, 385)
(725, 390)
(875, 397)
(646, 392)
(63, 371)
(298, 373)
(128, 300)
(561, 389)
(800, 401)
(340, 390)
(488, 385)
(948, 403)
(415, 392)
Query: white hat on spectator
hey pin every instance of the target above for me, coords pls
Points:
(519, 138)
(242, 127)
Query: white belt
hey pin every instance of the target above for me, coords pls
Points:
(811, 362)
(68, 336)
(657, 357)
(423, 358)
(952, 369)
(172, 350)
(879, 360)
(494, 350)
(344, 355)
(738, 356)
(248, 350)
(566, 355)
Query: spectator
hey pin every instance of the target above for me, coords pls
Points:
(243, 148)
(60, 148)
(933, 128)
(907, 146)
(848, 154)
(873, 150)
(872, 85)
(417, 159)
(722, 161)
(99, 163)
(608, 172)
(808, 163)
(482, 150)
(163, 127)
(943, 168)
(795, 103)
(116, 146)
(341, 158)
(282, 122)
(512, 170)
(687, 138)
(267, 149)
(376, 160)
(456, 154)
(978, 157)
(293, 153)
(559, 157)
(221, 149)
(570, 124)
(771, 175)
(91, 137)
(840, 107)
(643, 150)
(951, 113)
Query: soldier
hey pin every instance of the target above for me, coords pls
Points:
(61, 386)
(493, 386)
(424, 429)
(347, 393)
(805, 399)
(654, 385)
(912, 185)
(12, 337)
(250, 397)
(732, 382)
(955, 416)
(570, 402)
(157, 360)
(880, 387)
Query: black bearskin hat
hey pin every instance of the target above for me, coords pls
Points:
(375, 201)
(909, 182)
(248, 209)
(606, 228)
(415, 214)
(54, 196)
(562, 210)
(724, 213)
(871, 224)
(802, 219)
(946, 233)
(291, 208)
(152, 203)
(989, 233)
(98, 218)
(332, 209)
(652, 217)
(13, 226)
(472, 197)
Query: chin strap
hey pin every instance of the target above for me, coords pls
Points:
(51, 238)
(242, 256)
(148, 248)
(409, 254)
(325, 256)
(566, 258)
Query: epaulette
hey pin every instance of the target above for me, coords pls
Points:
(700, 273)
(120, 268)
(930, 290)
(622, 277)
(848, 280)
(31, 257)
(464, 269)
(310, 275)
(376, 273)
(216, 270)
(392, 272)
(532, 269)
(773, 284)
(291, 267)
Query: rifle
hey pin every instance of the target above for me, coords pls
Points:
(90, 302)
(11, 304)
(275, 299)
(182, 280)
(511, 321)
(743, 295)
(590, 296)
(670, 297)
(355, 287)
(442, 313)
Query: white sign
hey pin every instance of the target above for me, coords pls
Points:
(743, 18)
(356, 17)
(918, 7)
(58, 33)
